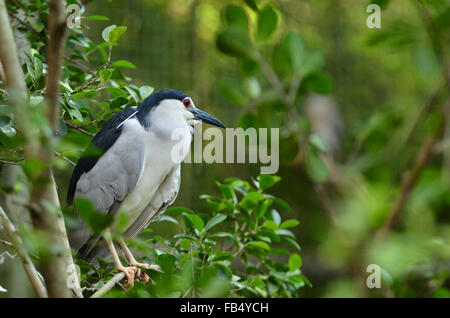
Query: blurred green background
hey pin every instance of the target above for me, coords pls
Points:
(380, 94)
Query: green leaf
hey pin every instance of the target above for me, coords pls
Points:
(106, 32)
(179, 210)
(96, 18)
(38, 67)
(219, 218)
(441, 293)
(267, 22)
(235, 42)
(267, 181)
(248, 120)
(106, 74)
(168, 219)
(284, 232)
(269, 234)
(227, 192)
(95, 220)
(249, 67)
(235, 15)
(33, 167)
(270, 225)
(288, 56)
(119, 101)
(251, 200)
(289, 223)
(263, 206)
(318, 142)
(259, 244)
(295, 262)
(231, 90)
(296, 49)
(6, 126)
(112, 33)
(318, 82)
(252, 4)
(223, 257)
(314, 60)
(187, 237)
(35, 23)
(289, 147)
(315, 167)
(75, 113)
(291, 242)
(124, 63)
(276, 217)
(117, 92)
(145, 91)
(116, 33)
(196, 221)
(134, 92)
(166, 262)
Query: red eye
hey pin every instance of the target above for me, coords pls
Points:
(187, 102)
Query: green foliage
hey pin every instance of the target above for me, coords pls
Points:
(96, 221)
(389, 87)
(277, 83)
(241, 248)
(267, 22)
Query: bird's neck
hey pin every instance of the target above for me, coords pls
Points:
(166, 123)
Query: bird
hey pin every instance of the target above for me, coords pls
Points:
(132, 165)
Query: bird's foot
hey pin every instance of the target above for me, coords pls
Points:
(140, 274)
(130, 273)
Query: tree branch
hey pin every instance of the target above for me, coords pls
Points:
(59, 155)
(109, 285)
(79, 129)
(57, 28)
(409, 181)
(54, 266)
(115, 280)
(28, 266)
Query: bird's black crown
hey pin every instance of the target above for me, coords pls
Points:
(155, 98)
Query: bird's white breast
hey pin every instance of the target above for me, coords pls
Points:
(158, 163)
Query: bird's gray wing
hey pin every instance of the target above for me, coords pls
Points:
(165, 195)
(114, 175)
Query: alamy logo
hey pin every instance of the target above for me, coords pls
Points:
(374, 19)
(232, 145)
(73, 20)
(374, 279)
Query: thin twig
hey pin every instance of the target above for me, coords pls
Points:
(86, 85)
(409, 181)
(6, 243)
(97, 77)
(65, 158)
(83, 67)
(94, 121)
(10, 162)
(26, 24)
(271, 77)
(16, 241)
(79, 129)
(116, 280)
(109, 285)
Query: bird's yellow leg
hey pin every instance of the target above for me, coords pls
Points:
(133, 262)
(129, 272)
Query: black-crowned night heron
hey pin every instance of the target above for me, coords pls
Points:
(137, 171)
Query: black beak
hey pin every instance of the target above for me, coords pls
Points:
(206, 118)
